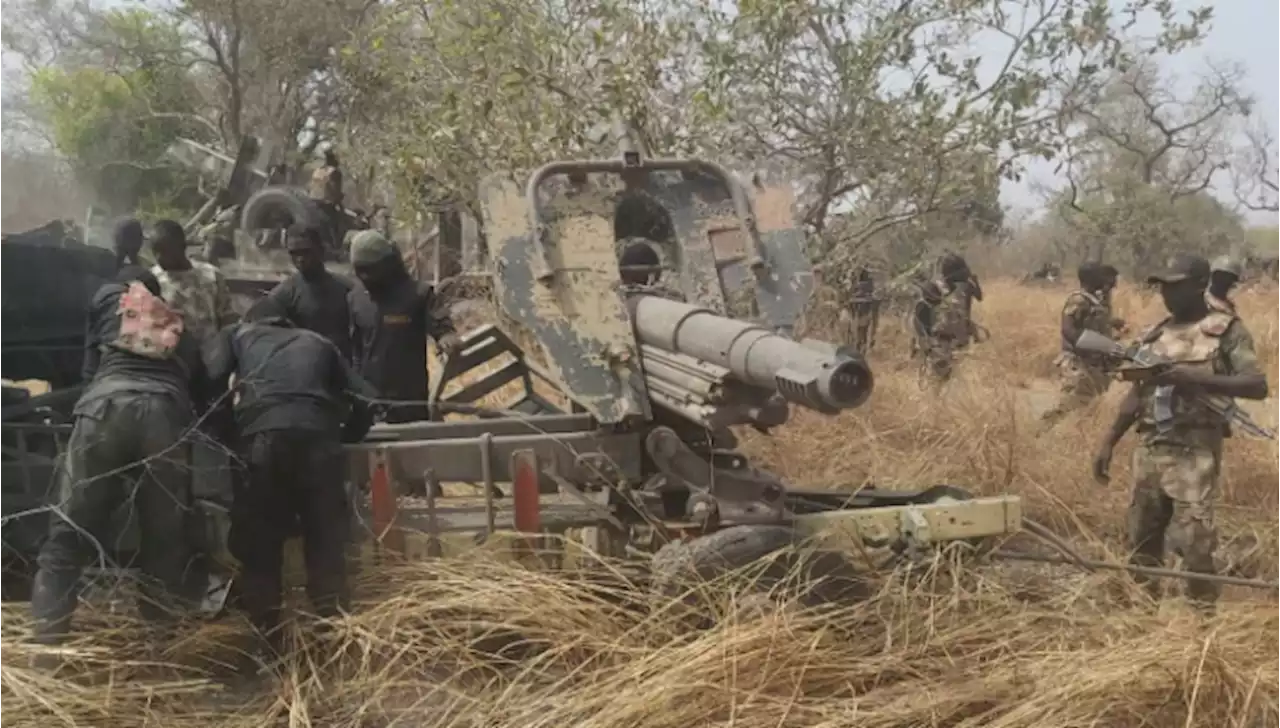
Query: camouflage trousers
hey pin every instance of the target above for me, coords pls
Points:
(937, 357)
(1079, 383)
(1172, 507)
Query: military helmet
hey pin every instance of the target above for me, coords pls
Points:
(1227, 264)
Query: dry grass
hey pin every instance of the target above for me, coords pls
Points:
(481, 643)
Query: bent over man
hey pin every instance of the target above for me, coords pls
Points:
(1081, 376)
(1179, 453)
(298, 399)
(127, 444)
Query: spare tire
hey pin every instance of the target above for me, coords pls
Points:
(820, 576)
(279, 206)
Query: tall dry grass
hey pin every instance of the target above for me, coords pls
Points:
(481, 643)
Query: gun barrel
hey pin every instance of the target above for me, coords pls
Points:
(804, 374)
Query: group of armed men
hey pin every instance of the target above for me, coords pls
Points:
(1178, 459)
(169, 365)
(1207, 348)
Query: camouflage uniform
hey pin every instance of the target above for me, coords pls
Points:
(942, 327)
(1179, 455)
(200, 294)
(1081, 379)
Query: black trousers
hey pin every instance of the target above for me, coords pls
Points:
(125, 447)
(294, 479)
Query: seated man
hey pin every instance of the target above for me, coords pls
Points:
(128, 443)
(297, 400)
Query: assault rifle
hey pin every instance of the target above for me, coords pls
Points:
(1225, 407)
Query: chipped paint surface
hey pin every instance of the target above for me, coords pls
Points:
(577, 318)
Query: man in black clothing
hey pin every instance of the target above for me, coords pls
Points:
(313, 298)
(392, 316)
(298, 400)
(128, 443)
(126, 241)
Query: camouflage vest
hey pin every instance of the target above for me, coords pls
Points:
(1194, 344)
(148, 327)
(324, 184)
(951, 314)
(1097, 316)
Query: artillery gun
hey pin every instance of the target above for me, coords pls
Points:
(609, 408)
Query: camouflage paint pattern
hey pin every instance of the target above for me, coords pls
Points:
(717, 247)
(578, 320)
(1172, 508)
(1219, 344)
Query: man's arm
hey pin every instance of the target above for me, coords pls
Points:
(219, 358)
(1244, 379)
(1130, 409)
(92, 354)
(353, 330)
(1072, 315)
(360, 393)
(436, 314)
(226, 313)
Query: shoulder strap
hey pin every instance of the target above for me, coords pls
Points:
(1216, 323)
(1153, 333)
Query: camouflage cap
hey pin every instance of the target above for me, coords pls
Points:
(1227, 264)
(1181, 267)
(370, 246)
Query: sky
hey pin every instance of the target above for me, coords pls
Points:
(1244, 31)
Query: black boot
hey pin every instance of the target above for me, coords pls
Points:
(53, 601)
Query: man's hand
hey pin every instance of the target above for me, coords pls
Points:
(449, 344)
(1102, 464)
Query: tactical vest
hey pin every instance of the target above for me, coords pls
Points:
(1196, 344)
(148, 327)
(1097, 315)
(324, 184)
(950, 315)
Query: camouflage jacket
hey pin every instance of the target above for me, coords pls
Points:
(1218, 343)
(951, 314)
(200, 294)
(1088, 312)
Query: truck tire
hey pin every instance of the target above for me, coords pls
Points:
(821, 577)
(282, 203)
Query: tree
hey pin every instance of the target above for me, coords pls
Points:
(99, 108)
(1142, 161)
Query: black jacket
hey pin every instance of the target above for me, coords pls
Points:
(390, 333)
(318, 305)
(289, 379)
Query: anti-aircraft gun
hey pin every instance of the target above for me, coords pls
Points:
(608, 407)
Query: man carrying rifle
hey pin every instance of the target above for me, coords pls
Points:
(1081, 375)
(1181, 419)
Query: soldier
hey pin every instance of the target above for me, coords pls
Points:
(392, 316)
(1179, 453)
(126, 240)
(147, 381)
(194, 288)
(864, 311)
(1224, 274)
(298, 400)
(940, 321)
(326, 192)
(1081, 376)
(313, 298)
